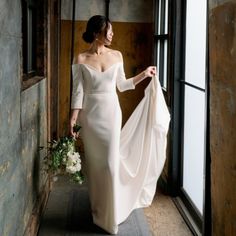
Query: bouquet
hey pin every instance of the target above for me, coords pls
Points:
(62, 158)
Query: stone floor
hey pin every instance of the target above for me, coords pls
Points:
(162, 216)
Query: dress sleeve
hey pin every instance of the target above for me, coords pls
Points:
(77, 91)
(122, 83)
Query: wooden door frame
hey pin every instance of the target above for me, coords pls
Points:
(53, 54)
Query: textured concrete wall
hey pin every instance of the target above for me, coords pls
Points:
(120, 10)
(23, 128)
(222, 41)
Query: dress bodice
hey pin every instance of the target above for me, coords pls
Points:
(95, 81)
(88, 80)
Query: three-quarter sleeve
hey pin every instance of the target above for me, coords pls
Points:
(122, 83)
(77, 91)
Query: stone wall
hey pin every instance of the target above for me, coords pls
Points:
(222, 46)
(23, 128)
(119, 11)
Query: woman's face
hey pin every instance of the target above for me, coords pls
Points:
(106, 35)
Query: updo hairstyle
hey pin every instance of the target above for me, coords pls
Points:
(96, 24)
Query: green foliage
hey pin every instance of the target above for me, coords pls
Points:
(57, 156)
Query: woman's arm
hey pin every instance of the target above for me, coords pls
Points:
(149, 72)
(124, 84)
(77, 94)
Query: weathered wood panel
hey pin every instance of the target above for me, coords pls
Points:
(64, 78)
(52, 68)
(134, 40)
(222, 41)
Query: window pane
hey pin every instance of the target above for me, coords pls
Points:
(158, 55)
(196, 42)
(159, 17)
(194, 138)
(162, 41)
(165, 65)
(166, 16)
(30, 38)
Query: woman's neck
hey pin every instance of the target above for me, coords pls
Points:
(97, 48)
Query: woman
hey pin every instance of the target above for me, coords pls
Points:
(96, 74)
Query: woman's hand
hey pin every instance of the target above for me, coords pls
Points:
(71, 130)
(73, 119)
(150, 71)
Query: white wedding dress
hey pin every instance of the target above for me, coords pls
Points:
(121, 166)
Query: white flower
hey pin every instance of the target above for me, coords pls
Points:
(55, 178)
(71, 169)
(78, 166)
(73, 157)
(73, 163)
(80, 181)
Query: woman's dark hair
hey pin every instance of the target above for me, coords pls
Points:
(96, 24)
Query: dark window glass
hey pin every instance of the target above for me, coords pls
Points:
(161, 40)
(33, 38)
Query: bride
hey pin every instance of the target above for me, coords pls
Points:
(117, 165)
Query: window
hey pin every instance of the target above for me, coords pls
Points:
(161, 38)
(194, 109)
(32, 39)
(189, 102)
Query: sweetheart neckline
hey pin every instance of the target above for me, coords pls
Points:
(95, 69)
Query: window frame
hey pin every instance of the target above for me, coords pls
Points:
(177, 80)
(33, 42)
(162, 35)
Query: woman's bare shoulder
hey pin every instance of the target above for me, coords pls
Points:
(117, 54)
(80, 58)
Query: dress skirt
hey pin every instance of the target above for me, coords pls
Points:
(101, 122)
